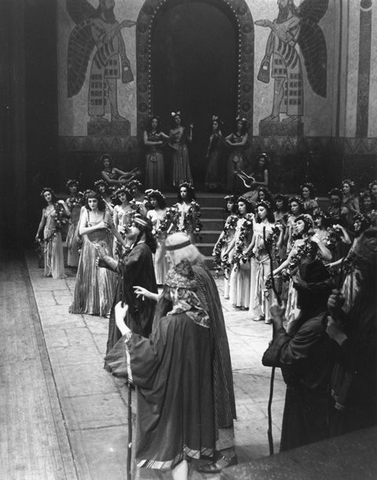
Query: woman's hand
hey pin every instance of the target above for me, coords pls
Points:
(120, 311)
(142, 292)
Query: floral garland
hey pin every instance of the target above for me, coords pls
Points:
(334, 235)
(191, 219)
(245, 234)
(222, 263)
(76, 201)
(307, 250)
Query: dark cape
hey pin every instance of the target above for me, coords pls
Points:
(306, 360)
(224, 402)
(135, 269)
(354, 379)
(172, 370)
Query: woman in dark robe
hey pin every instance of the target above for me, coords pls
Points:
(172, 370)
(135, 268)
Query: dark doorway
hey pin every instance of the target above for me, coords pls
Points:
(194, 70)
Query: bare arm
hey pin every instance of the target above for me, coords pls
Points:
(41, 225)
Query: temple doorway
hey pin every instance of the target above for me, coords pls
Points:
(194, 68)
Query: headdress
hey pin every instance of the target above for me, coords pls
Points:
(308, 185)
(142, 222)
(122, 189)
(265, 204)
(241, 119)
(296, 199)
(307, 219)
(372, 184)
(181, 243)
(71, 182)
(335, 191)
(104, 156)
(181, 276)
(231, 198)
(175, 114)
(215, 118)
(150, 193)
(135, 183)
(349, 182)
(280, 196)
(99, 182)
(47, 189)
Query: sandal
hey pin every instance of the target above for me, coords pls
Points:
(218, 465)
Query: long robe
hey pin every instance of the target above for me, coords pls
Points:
(172, 369)
(354, 379)
(224, 401)
(135, 269)
(306, 360)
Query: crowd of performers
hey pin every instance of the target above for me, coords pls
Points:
(281, 259)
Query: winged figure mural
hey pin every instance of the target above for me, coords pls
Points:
(97, 30)
(294, 26)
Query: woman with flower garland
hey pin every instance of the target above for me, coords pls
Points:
(309, 201)
(74, 203)
(122, 216)
(185, 214)
(157, 215)
(179, 136)
(236, 141)
(350, 201)
(102, 187)
(94, 288)
(154, 140)
(367, 207)
(240, 274)
(306, 247)
(54, 216)
(222, 259)
(295, 209)
(262, 250)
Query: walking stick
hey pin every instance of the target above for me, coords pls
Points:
(272, 377)
(129, 446)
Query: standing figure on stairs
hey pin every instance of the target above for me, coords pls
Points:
(179, 136)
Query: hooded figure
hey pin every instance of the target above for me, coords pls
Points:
(305, 358)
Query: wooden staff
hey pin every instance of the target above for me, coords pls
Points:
(272, 377)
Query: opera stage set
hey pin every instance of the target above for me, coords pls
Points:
(308, 96)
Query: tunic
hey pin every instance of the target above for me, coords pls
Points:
(155, 170)
(134, 269)
(260, 299)
(172, 369)
(72, 245)
(180, 157)
(53, 247)
(160, 261)
(94, 288)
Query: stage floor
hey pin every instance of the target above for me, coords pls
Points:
(63, 416)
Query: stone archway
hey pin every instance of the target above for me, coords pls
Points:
(239, 13)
